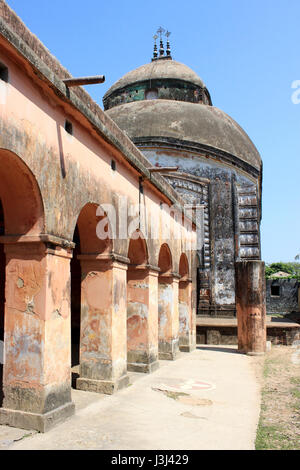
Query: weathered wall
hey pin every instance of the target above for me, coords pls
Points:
(287, 300)
(51, 181)
(177, 90)
(231, 219)
(71, 171)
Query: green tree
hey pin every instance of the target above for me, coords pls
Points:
(291, 268)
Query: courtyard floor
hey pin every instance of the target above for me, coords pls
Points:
(206, 400)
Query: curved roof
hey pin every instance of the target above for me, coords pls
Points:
(186, 122)
(158, 69)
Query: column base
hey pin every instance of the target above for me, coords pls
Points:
(35, 421)
(187, 343)
(108, 387)
(250, 353)
(168, 350)
(255, 353)
(167, 356)
(187, 347)
(143, 368)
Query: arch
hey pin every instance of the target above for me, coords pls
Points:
(87, 242)
(183, 266)
(21, 213)
(21, 197)
(184, 303)
(142, 348)
(167, 298)
(138, 250)
(88, 224)
(165, 259)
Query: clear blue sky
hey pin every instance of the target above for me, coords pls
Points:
(246, 51)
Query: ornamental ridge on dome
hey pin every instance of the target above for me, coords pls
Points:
(160, 32)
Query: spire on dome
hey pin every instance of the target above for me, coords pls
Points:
(160, 32)
(168, 44)
(155, 47)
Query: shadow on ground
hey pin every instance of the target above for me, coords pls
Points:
(218, 349)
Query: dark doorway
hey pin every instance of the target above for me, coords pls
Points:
(75, 307)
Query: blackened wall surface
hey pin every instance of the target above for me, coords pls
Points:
(282, 295)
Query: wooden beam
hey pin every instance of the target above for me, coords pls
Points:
(69, 82)
(162, 169)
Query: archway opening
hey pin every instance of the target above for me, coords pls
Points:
(165, 301)
(137, 251)
(21, 213)
(87, 245)
(20, 196)
(184, 300)
(165, 260)
(137, 304)
(183, 267)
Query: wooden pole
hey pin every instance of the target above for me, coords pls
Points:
(69, 82)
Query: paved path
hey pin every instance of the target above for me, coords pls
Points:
(208, 399)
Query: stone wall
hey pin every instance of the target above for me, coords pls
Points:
(231, 219)
(282, 295)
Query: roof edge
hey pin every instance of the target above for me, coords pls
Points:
(41, 60)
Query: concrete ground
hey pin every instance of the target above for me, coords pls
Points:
(208, 399)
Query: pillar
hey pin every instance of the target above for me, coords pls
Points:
(142, 319)
(37, 368)
(251, 306)
(168, 317)
(103, 339)
(186, 321)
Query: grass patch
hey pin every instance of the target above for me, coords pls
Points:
(268, 438)
(279, 423)
(295, 380)
(296, 393)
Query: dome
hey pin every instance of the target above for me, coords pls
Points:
(184, 121)
(158, 69)
(165, 77)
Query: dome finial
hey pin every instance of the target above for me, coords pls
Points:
(160, 31)
(155, 47)
(168, 44)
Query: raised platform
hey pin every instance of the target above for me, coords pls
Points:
(224, 330)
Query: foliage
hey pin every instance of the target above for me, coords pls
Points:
(292, 268)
